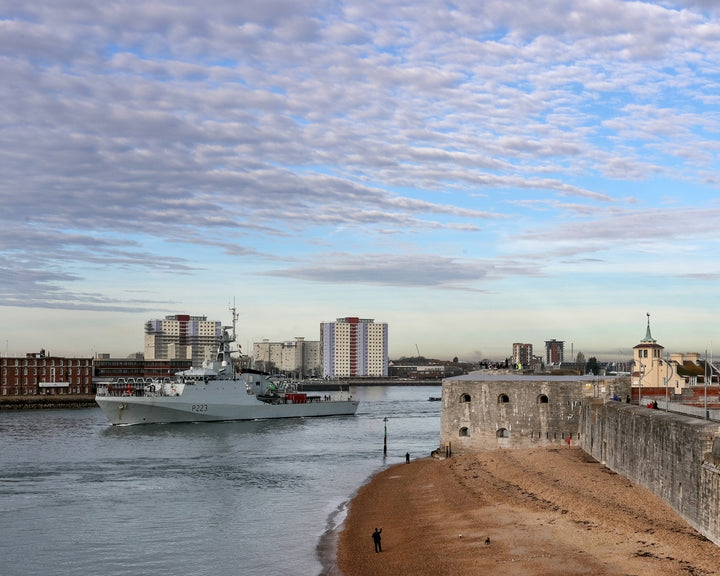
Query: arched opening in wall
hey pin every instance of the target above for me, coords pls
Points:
(503, 433)
(503, 399)
(542, 399)
(465, 399)
(464, 432)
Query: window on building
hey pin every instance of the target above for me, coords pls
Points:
(464, 432)
(503, 433)
(465, 399)
(542, 399)
(503, 399)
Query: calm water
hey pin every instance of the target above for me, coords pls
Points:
(249, 498)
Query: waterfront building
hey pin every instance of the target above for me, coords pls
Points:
(182, 337)
(40, 373)
(107, 369)
(298, 357)
(354, 347)
(422, 371)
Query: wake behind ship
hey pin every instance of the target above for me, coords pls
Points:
(214, 393)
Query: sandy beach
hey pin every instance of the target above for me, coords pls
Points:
(542, 511)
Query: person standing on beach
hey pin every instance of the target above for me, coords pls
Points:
(376, 539)
(407, 457)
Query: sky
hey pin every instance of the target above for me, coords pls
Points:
(472, 173)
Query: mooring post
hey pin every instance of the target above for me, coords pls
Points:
(385, 442)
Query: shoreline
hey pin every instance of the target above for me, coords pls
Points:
(544, 510)
(327, 546)
(327, 549)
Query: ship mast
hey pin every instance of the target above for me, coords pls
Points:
(234, 319)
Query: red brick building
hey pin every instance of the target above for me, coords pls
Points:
(554, 351)
(38, 373)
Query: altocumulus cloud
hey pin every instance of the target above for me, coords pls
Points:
(173, 138)
(407, 271)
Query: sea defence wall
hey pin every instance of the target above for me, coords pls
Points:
(50, 401)
(677, 457)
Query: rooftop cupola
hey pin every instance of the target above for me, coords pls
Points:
(648, 337)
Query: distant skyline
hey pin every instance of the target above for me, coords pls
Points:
(472, 174)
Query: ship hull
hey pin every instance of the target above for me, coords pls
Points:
(212, 403)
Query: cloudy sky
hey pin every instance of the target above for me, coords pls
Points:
(472, 173)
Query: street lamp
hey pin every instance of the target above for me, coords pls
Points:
(642, 373)
(705, 379)
(668, 372)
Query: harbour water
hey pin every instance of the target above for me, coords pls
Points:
(78, 496)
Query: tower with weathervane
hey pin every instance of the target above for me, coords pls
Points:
(653, 370)
(648, 364)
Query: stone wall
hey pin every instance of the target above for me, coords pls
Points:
(676, 457)
(488, 411)
(49, 401)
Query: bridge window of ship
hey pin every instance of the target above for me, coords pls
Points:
(503, 433)
(503, 399)
(465, 399)
(542, 399)
(464, 431)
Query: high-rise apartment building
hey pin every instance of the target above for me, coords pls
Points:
(297, 357)
(554, 351)
(354, 347)
(182, 337)
(522, 355)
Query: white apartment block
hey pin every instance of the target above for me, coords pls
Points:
(182, 337)
(298, 357)
(354, 347)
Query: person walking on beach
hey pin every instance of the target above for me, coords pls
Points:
(376, 539)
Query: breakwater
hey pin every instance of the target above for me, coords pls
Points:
(46, 402)
(677, 457)
(343, 383)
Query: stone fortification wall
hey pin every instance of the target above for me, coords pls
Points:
(488, 411)
(676, 457)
